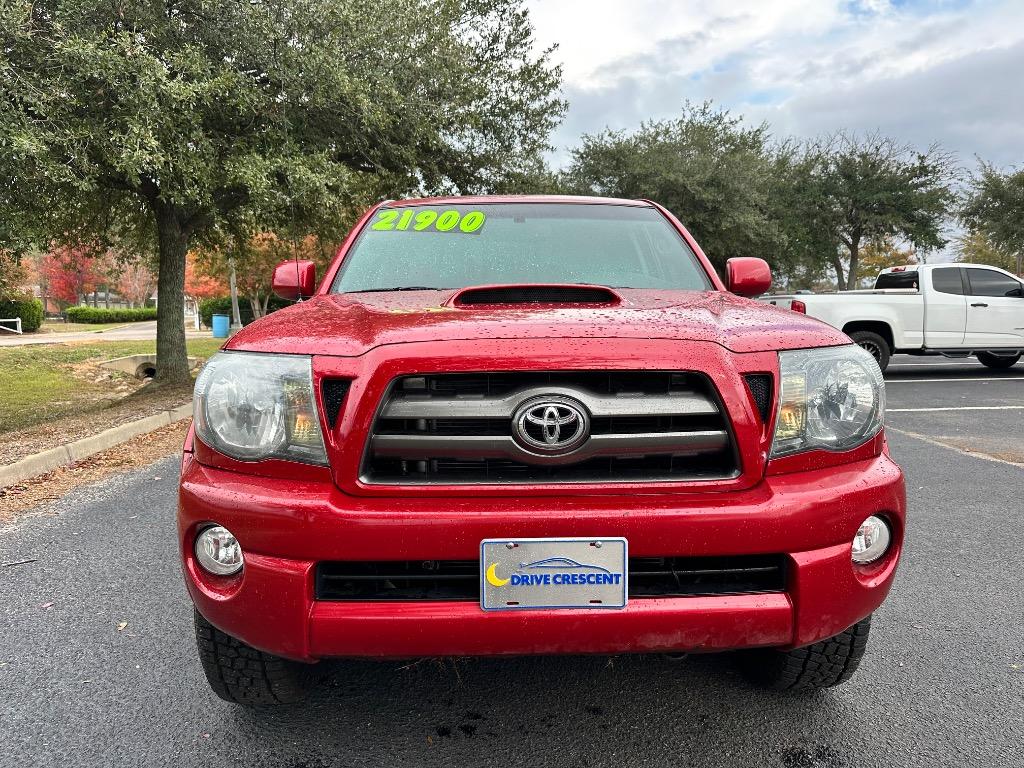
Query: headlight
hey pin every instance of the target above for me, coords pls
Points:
(250, 407)
(831, 398)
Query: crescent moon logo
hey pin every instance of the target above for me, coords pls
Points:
(492, 577)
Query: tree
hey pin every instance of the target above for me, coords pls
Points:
(254, 260)
(200, 285)
(976, 248)
(860, 190)
(136, 282)
(70, 271)
(715, 174)
(882, 253)
(994, 211)
(11, 274)
(164, 121)
(809, 247)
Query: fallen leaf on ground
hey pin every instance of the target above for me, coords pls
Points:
(121, 625)
(46, 606)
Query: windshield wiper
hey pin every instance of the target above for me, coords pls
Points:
(401, 288)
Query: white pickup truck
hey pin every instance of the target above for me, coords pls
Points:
(954, 310)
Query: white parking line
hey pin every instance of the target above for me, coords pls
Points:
(959, 408)
(929, 381)
(943, 363)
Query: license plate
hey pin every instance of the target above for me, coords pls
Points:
(553, 573)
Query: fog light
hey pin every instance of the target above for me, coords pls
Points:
(872, 540)
(218, 551)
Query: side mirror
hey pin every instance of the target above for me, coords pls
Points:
(294, 280)
(746, 276)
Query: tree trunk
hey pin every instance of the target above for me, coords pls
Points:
(254, 302)
(106, 296)
(851, 274)
(837, 264)
(171, 354)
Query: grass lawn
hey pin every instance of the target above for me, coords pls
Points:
(38, 383)
(61, 327)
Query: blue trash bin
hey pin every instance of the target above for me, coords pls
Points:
(221, 324)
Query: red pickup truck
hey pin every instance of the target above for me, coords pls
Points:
(534, 425)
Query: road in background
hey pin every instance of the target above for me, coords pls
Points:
(132, 332)
(941, 684)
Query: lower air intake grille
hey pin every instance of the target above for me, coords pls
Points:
(459, 580)
(682, 576)
(504, 427)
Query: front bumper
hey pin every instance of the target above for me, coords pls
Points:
(286, 526)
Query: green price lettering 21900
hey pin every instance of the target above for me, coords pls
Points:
(428, 220)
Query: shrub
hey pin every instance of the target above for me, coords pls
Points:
(222, 306)
(101, 315)
(30, 311)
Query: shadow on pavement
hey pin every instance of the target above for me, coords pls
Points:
(550, 711)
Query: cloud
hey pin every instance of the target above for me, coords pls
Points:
(971, 105)
(919, 71)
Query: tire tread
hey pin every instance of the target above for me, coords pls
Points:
(240, 674)
(824, 664)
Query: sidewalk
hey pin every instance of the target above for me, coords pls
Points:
(131, 332)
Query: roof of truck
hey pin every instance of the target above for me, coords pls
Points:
(483, 199)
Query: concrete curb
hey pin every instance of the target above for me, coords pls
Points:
(47, 461)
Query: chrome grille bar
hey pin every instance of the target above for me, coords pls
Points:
(469, 428)
(475, 407)
(501, 447)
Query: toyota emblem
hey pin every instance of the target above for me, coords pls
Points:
(551, 425)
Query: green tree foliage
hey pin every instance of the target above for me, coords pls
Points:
(854, 190)
(976, 248)
(808, 245)
(707, 168)
(994, 211)
(167, 121)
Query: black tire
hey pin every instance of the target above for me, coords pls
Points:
(812, 668)
(999, 362)
(876, 345)
(242, 675)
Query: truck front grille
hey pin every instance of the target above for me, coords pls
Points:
(459, 580)
(550, 427)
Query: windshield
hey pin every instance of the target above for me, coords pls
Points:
(455, 246)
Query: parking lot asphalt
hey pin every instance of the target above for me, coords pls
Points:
(98, 665)
(959, 403)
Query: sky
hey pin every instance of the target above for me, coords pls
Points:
(946, 71)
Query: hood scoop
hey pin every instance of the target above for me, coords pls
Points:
(585, 295)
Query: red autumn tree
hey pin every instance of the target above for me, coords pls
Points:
(71, 272)
(201, 285)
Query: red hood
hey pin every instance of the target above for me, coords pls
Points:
(348, 325)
